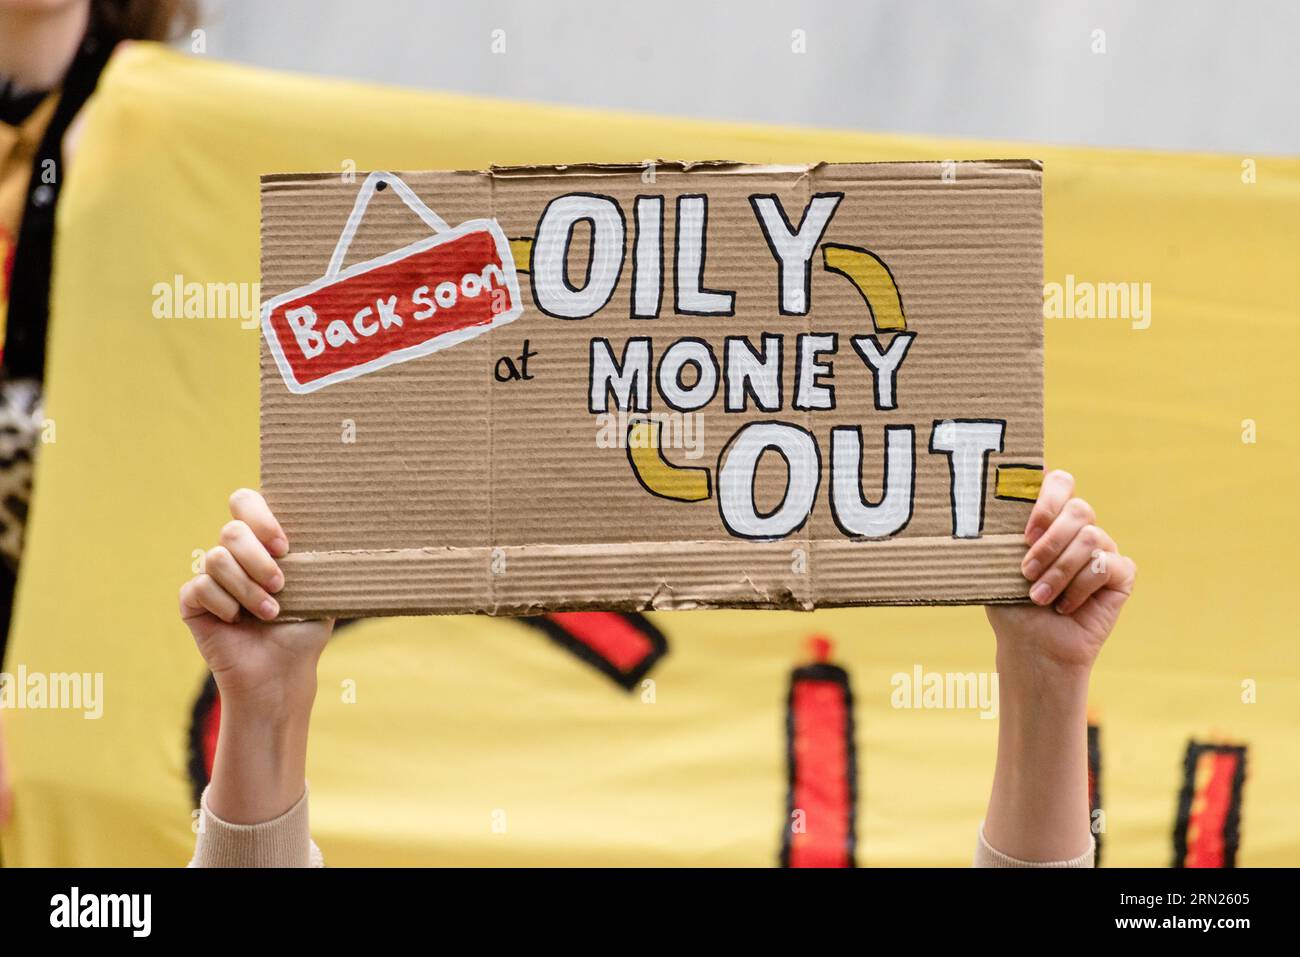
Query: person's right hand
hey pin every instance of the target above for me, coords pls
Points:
(1080, 584)
(263, 669)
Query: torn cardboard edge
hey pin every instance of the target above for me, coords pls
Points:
(742, 167)
(641, 576)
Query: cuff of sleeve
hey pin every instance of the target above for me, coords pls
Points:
(284, 841)
(986, 855)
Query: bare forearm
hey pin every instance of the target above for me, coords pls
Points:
(1038, 810)
(260, 767)
(254, 811)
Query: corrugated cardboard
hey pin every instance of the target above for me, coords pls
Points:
(417, 470)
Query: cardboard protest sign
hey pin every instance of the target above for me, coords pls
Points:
(661, 386)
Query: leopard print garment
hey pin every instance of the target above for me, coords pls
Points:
(21, 424)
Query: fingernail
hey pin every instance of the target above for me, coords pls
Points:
(1033, 534)
(1032, 568)
(268, 609)
(279, 545)
(1061, 608)
(1038, 594)
(276, 582)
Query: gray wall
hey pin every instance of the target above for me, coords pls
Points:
(1175, 74)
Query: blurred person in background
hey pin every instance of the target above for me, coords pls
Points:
(52, 53)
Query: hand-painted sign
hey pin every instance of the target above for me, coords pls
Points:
(721, 385)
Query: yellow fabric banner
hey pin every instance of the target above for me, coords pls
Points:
(477, 741)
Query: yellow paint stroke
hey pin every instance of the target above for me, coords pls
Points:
(873, 280)
(522, 251)
(659, 476)
(1020, 483)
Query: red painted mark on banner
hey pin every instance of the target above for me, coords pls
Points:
(820, 828)
(623, 646)
(1207, 832)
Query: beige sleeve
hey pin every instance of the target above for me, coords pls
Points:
(986, 855)
(282, 842)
